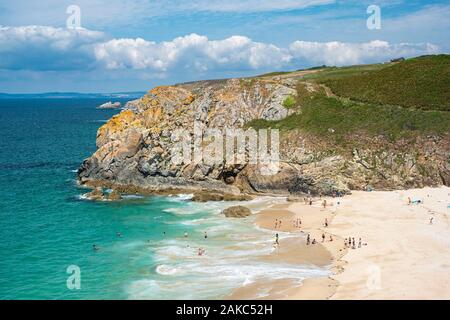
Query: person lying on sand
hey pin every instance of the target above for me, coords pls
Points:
(323, 237)
(314, 241)
(308, 240)
(326, 223)
(331, 238)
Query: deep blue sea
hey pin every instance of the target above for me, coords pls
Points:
(47, 226)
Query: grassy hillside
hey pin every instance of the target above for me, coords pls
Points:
(399, 100)
(420, 83)
(336, 119)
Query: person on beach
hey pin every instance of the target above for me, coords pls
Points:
(359, 243)
(431, 220)
(310, 201)
(185, 234)
(314, 241)
(276, 239)
(324, 204)
(345, 243)
(323, 237)
(326, 223)
(409, 200)
(353, 243)
(276, 223)
(331, 238)
(308, 240)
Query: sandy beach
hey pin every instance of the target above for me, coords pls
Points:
(402, 254)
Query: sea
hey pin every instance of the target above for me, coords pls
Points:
(147, 246)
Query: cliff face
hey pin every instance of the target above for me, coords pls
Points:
(134, 146)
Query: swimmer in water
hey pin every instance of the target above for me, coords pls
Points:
(95, 248)
(119, 234)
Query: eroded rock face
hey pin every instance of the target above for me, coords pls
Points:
(237, 212)
(134, 147)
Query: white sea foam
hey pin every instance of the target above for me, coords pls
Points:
(234, 255)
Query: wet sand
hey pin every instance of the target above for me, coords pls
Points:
(402, 255)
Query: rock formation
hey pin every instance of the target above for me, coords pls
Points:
(134, 147)
(237, 212)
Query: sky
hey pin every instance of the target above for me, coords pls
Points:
(134, 45)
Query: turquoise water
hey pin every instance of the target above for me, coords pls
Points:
(47, 226)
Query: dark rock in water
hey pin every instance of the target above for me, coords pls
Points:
(96, 194)
(110, 105)
(211, 196)
(237, 212)
(114, 196)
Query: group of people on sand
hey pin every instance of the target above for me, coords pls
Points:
(277, 224)
(351, 243)
(297, 223)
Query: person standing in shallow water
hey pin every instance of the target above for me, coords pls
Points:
(277, 239)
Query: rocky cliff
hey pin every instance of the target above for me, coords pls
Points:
(134, 146)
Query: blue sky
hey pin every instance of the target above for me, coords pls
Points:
(133, 45)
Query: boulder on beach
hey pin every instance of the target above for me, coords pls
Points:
(237, 212)
(110, 105)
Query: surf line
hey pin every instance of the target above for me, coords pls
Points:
(193, 310)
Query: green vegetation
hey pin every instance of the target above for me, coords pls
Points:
(336, 118)
(420, 83)
(289, 102)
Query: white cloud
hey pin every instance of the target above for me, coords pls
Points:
(192, 52)
(46, 48)
(340, 53)
(246, 5)
(51, 49)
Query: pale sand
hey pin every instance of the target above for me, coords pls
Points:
(405, 257)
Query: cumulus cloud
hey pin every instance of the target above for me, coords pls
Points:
(47, 48)
(340, 53)
(50, 49)
(190, 52)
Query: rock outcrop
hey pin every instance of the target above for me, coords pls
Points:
(135, 147)
(237, 212)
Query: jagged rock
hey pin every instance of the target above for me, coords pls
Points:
(237, 212)
(96, 194)
(210, 196)
(114, 196)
